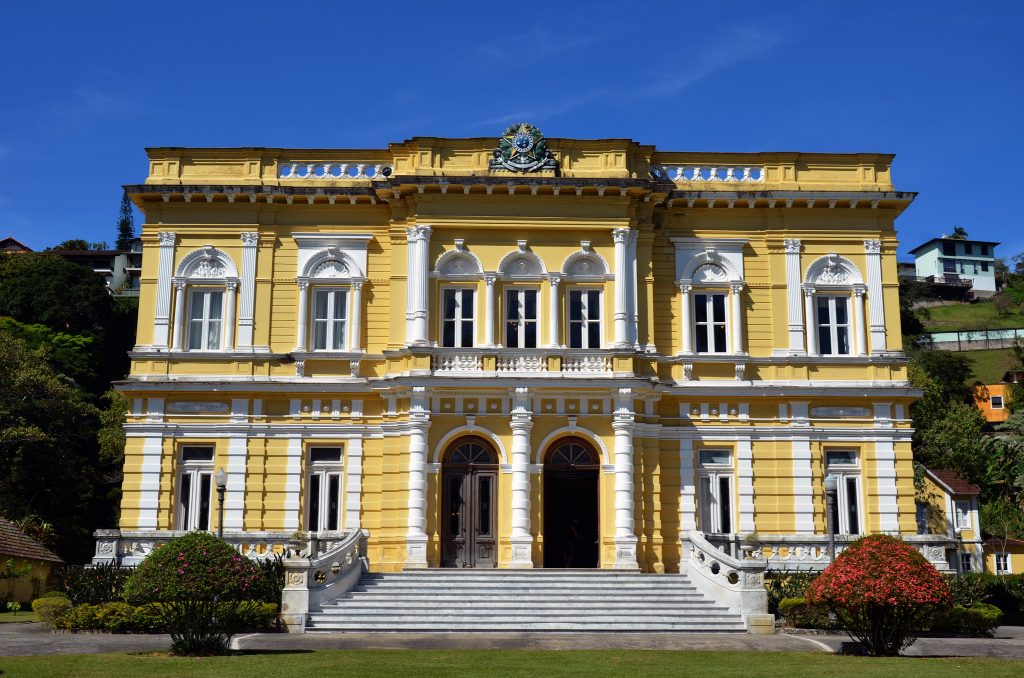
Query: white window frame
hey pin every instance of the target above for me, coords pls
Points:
(710, 479)
(992, 402)
(203, 323)
(195, 470)
(459, 319)
(922, 514)
(1007, 562)
(966, 562)
(584, 322)
(833, 325)
(708, 326)
(845, 473)
(324, 472)
(522, 321)
(962, 518)
(330, 321)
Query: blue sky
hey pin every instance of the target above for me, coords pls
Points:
(87, 86)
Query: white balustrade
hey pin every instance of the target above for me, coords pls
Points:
(457, 362)
(130, 547)
(522, 362)
(733, 582)
(327, 170)
(810, 552)
(586, 363)
(709, 174)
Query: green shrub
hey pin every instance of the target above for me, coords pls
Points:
(48, 609)
(979, 619)
(55, 594)
(249, 615)
(968, 589)
(271, 580)
(782, 585)
(200, 582)
(799, 614)
(78, 618)
(96, 584)
(1007, 593)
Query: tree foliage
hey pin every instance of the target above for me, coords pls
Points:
(125, 224)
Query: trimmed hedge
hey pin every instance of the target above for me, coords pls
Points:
(250, 615)
(979, 619)
(800, 614)
(49, 609)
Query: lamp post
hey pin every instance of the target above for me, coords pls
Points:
(958, 534)
(831, 488)
(222, 485)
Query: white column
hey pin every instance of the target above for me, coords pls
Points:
(149, 478)
(301, 328)
(419, 425)
(165, 270)
(553, 333)
(355, 320)
(687, 487)
(736, 296)
(633, 334)
(885, 468)
(623, 425)
(803, 490)
(234, 494)
(417, 307)
(229, 315)
(686, 326)
(796, 317)
(353, 483)
(621, 237)
(522, 424)
(293, 484)
(247, 297)
(489, 279)
(745, 476)
(812, 328)
(858, 321)
(179, 314)
(876, 306)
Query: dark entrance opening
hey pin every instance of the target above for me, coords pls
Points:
(469, 487)
(571, 524)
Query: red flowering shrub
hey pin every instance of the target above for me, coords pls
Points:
(200, 582)
(881, 591)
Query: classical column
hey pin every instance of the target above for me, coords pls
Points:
(686, 328)
(803, 489)
(687, 487)
(301, 329)
(553, 338)
(796, 318)
(858, 321)
(625, 538)
(419, 425)
(632, 300)
(234, 496)
(165, 270)
(417, 298)
(522, 424)
(353, 483)
(247, 297)
(179, 313)
(229, 314)
(489, 279)
(355, 330)
(812, 326)
(876, 306)
(293, 484)
(737, 316)
(745, 481)
(621, 237)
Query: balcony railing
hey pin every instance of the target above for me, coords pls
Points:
(520, 361)
(332, 169)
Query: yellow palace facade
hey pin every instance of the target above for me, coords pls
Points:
(517, 353)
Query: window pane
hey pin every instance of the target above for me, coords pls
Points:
(320, 305)
(314, 503)
(843, 341)
(195, 453)
(718, 307)
(195, 305)
(594, 338)
(719, 339)
(851, 500)
(575, 305)
(448, 333)
(213, 335)
(706, 505)
(702, 339)
(842, 317)
(467, 333)
(576, 335)
(185, 499)
(825, 340)
(512, 310)
(320, 335)
(948, 266)
(484, 525)
(204, 501)
(467, 304)
(840, 457)
(323, 455)
(725, 504)
(715, 457)
(594, 305)
(824, 314)
(339, 304)
(449, 304)
(700, 307)
(195, 334)
(455, 505)
(512, 334)
(216, 299)
(531, 304)
(333, 494)
(531, 335)
(338, 339)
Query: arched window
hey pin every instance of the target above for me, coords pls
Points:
(471, 451)
(204, 301)
(572, 453)
(457, 272)
(712, 310)
(330, 303)
(834, 307)
(585, 273)
(522, 272)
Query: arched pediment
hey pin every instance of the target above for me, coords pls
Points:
(458, 262)
(711, 267)
(521, 263)
(833, 269)
(584, 263)
(207, 262)
(331, 263)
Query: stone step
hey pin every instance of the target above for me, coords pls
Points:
(526, 589)
(526, 615)
(502, 602)
(702, 626)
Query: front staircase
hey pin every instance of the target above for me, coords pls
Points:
(524, 600)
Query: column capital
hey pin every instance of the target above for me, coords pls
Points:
(873, 246)
(490, 278)
(809, 291)
(303, 283)
(620, 235)
(685, 286)
(418, 233)
(357, 284)
(179, 283)
(521, 401)
(859, 291)
(167, 238)
(231, 284)
(250, 239)
(791, 245)
(554, 279)
(737, 286)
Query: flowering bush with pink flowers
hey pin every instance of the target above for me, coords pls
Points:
(200, 581)
(881, 591)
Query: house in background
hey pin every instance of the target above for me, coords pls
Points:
(121, 269)
(948, 505)
(958, 264)
(994, 399)
(11, 246)
(22, 550)
(1004, 555)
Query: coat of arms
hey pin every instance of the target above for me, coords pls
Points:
(522, 148)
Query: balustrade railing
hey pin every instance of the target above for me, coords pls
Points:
(506, 361)
(709, 174)
(734, 582)
(586, 363)
(457, 362)
(320, 575)
(327, 170)
(130, 547)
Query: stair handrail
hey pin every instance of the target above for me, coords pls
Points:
(309, 581)
(733, 582)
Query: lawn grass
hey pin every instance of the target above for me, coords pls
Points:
(962, 317)
(990, 365)
(502, 663)
(26, 615)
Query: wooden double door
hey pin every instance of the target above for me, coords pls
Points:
(469, 487)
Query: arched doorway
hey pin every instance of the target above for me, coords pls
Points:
(571, 523)
(469, 486)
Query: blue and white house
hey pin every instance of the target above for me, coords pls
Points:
(973, 261)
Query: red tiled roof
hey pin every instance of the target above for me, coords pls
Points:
(1002, 543)
(15, 543)
(954, 482)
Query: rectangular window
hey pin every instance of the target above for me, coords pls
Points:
(948, 266)
(843, 464)
(963, 514)
(966, 563)
(715, 490)
(329, 319)
(1003, 563)
(984, 267)
(983, 250)
(967, 248)
(922, 518)
(521, 318)
(323, 491)
(584, 319)
(205, 319)
(949, 248)
(195, 488)
(457, 318)
(833, 325)
(996, 402)
(710, 323)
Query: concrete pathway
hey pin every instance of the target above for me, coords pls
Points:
(35, 639)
